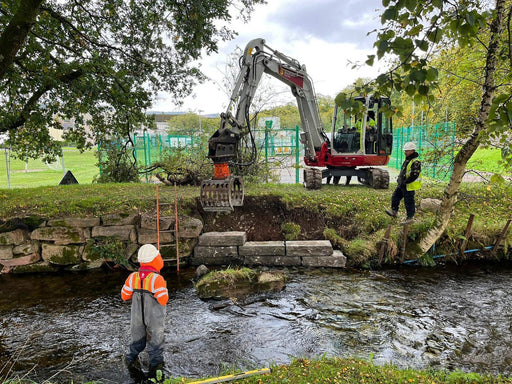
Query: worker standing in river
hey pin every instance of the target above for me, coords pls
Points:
(147, 290)
(408, 182)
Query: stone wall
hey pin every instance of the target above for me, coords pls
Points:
(232, 248)
(84, 243)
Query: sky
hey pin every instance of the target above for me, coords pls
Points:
(328, 36)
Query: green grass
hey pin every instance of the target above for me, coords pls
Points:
(334, 370)
(36, 173)
(486, 160)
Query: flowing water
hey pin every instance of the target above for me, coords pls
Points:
(75, 326)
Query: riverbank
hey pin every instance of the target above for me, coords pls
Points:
(355, 371)
(352, 217)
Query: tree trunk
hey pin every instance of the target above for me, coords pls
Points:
(470, 146)
(16, 32)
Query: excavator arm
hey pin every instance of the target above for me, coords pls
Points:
(225, 191)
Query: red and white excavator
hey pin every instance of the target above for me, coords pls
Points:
(349, 151)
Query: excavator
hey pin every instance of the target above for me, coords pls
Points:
(358, 142)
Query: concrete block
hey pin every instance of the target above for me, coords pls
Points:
(224, 239)
(278, 261)
(337, 260)
(215, 256)
(262, 248)
(309, 248)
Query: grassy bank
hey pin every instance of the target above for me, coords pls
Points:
(352, 217)
(354, 371)
(344, 371)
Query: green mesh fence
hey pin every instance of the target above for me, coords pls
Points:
(436, 146)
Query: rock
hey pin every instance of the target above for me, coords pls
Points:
(149, 222)
(309, 248)
(80, 222)
(431, 205)
(201, 271)
(62, 255)
(61, 235)
(120, 219)
(189, 227)
(238, 283)
(16, 237)
(120, 232)
(226, 255)
(23, 260)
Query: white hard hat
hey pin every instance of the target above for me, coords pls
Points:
(147, 253)
(410, 146)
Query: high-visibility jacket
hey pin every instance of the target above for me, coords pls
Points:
(153, 282)
(416, 184)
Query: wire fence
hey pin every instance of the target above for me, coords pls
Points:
(281, 148)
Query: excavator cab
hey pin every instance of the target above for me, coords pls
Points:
(349, 137)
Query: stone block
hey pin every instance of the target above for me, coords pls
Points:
(189, 227)
(6, 252)
(223, 239)
(27, 248)
(149, 236)
(80, 222)
(120, 232)
(277, 261)
(215, 256)
(185, 247)
(309, 248)
(149, 222)
(23, 260)
(262, 248)
(62, 254)
(120, 220)
(16, 237)
(337, 260)
(61, 235)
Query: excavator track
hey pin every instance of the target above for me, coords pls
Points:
(312, 178)
(375, 178)
(222, 195)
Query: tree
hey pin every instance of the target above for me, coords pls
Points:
(100, 63)
(412, 31)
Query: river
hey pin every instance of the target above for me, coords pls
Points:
(75, 326)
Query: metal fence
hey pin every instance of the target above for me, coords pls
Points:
(282, 147)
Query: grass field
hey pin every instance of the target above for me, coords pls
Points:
(36, 173)
(83, 166)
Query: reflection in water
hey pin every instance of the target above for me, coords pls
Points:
(442, 317)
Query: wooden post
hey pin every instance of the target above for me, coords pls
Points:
(467, 234)
(157, 221)
(176, 229)
(384, 245)
(500, 237)
(404, 242)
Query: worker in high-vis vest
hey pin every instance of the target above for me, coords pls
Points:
(408, 182)
(148, 293)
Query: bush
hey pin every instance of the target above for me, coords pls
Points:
(117, 163)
